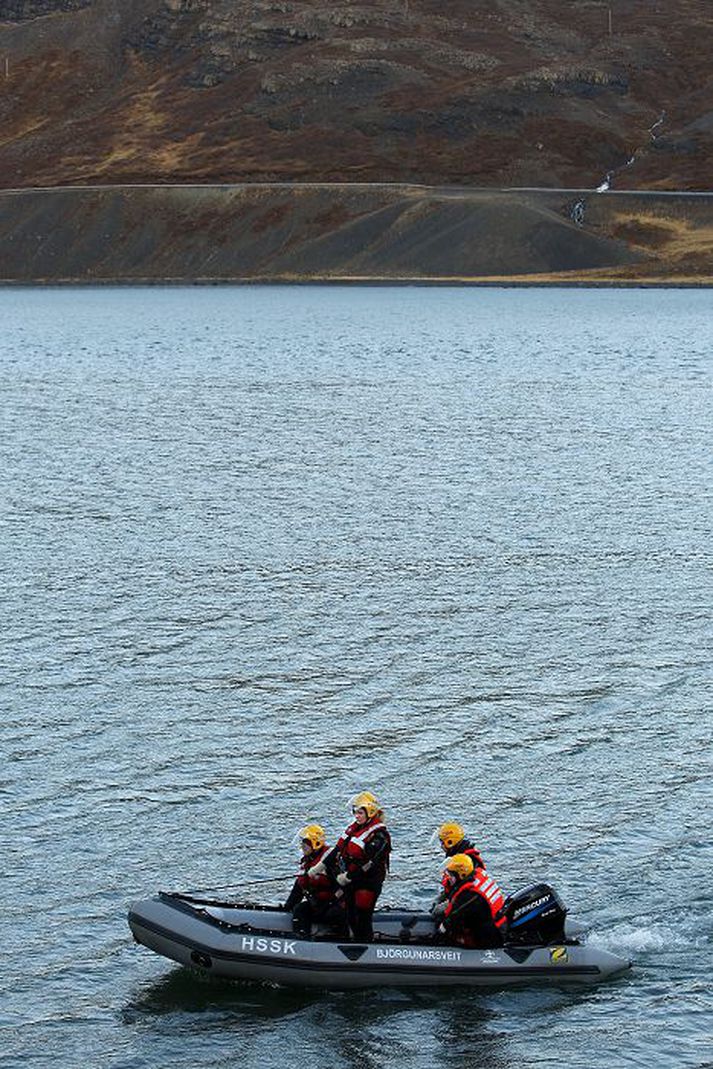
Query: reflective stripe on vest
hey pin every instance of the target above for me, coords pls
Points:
(319, 887)
(488, 889)
(363, 837)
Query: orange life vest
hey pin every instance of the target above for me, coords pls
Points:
(487, 888)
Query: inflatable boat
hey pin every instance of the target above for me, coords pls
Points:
(235, 941)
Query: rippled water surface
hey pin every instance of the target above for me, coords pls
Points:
(262, 547)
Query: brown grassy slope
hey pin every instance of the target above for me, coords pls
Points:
(349, 232)
(481, 92)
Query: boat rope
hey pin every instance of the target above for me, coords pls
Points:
(261, 883)
(239, 886)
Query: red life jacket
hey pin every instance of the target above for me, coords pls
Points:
(352, 843)
(319, 887)
(474, 854)
(486, 887)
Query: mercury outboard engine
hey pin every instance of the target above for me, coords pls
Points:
(535, 916)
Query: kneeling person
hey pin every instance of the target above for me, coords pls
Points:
(312, 899)
(452, 839)
(472, 914)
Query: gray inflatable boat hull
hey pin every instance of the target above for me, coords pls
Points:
(256, 943)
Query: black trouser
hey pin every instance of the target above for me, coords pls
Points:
(482, 937)
(311, 911)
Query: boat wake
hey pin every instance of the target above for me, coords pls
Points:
(639, 939)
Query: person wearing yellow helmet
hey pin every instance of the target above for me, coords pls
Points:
(360, 861)
(474, 916)
(452, 839)
(313, 899)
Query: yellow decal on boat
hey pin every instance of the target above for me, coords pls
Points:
(558, 955)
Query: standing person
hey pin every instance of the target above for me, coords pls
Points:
(313, 899)
(359, 863)
(472, 917)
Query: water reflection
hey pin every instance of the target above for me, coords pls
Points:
(366, 1029)
(184, 992)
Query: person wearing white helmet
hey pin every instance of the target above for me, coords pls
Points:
(313, 899)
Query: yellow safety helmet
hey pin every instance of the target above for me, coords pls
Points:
(366, 800)
(460, 865)
(450, 834)
(314, 834)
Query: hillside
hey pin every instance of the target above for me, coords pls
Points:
(474, 92)
(351, 233)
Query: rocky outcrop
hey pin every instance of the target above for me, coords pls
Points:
(24, 10)
(474, 92)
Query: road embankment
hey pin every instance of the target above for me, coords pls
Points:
(357, 233)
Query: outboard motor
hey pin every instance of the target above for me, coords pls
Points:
(535, 916)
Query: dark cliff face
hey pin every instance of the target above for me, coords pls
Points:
(23, 10)
(483, 92)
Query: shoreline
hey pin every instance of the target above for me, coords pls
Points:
(440, 282)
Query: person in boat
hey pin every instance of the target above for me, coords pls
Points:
(474, 916)
(313, 899)
(453, 841)
(359, 863)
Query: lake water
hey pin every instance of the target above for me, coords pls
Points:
(262, 547)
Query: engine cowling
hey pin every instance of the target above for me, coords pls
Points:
(535, 916)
